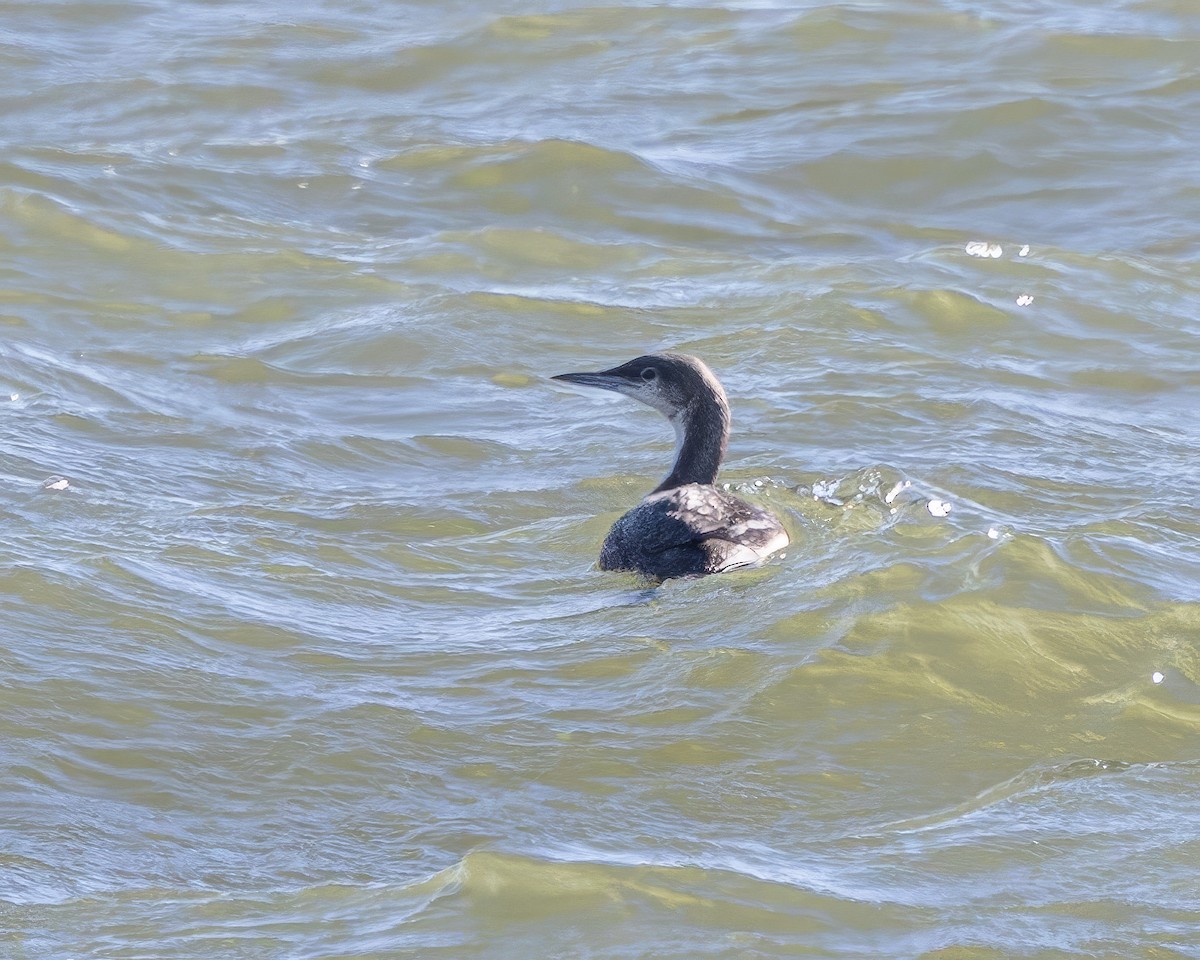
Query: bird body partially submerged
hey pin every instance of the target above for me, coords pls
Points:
(693, 529)
(686, 526)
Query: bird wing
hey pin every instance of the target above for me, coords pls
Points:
(692, 529)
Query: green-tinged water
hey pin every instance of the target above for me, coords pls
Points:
(310, 658)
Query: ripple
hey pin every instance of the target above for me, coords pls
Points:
(312, 657)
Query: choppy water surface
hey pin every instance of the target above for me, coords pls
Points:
(310, 658)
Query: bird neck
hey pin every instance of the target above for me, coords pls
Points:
(702, 431)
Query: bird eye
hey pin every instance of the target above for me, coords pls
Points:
(649, 374)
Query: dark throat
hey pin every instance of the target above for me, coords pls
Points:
(705, 425)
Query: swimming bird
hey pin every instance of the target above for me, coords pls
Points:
(685, 526)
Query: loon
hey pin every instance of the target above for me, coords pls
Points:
(685, 526)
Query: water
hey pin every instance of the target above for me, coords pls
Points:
(310, 658)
